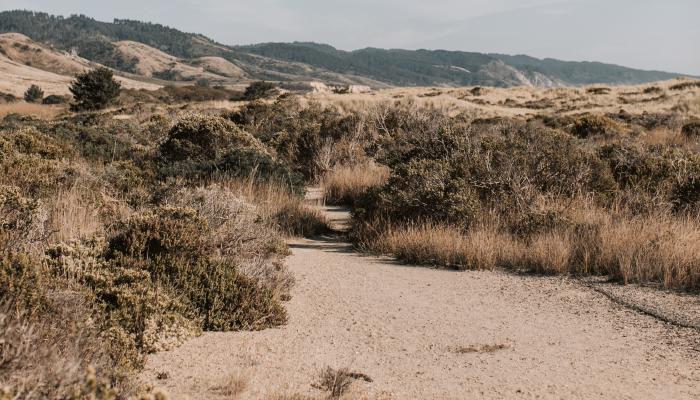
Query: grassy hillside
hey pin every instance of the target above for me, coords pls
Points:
(297, 61)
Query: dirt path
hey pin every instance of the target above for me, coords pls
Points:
(429, 334)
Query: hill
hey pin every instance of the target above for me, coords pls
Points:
(24, 62)
(155, 50)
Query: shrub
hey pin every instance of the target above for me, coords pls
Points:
(199, 146)
(685, 85)
(685, 195)
(55, 99)
(429, 190)
(34, 94)
(258, 90)
(588, 125)
(20, 221)
(54, 345)
(174, 245)
(691, 130)
(94, 90)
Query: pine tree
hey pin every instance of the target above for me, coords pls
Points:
(94, 90)
(34, 94)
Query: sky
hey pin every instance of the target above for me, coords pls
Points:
(647, 34)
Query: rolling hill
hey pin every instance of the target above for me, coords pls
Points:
(156, 51)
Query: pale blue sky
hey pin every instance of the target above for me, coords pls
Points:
(649, 34)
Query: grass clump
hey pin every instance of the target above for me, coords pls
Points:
(346, 184)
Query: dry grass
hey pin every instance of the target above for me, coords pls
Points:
(482, 247)
(232, 386)
(486, 348)
(345, 184)
(74, 215)
(35, 110)
(493, 102)
(337, 381)
(290, 213)
(656, 249)
(548, 253)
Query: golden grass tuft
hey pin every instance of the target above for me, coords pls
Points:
(74, 215)
(291, 214)
(482, 247)
(347, 183)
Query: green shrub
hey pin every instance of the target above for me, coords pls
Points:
(203, 138)
(94, 90)
(200, 146)
(304, 137)
(429, 190)
(174, 246)
(258, 90)
(34, 94)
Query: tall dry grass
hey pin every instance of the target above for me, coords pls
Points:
(41, 111)
(655, 249)
(482, 247)
(291, 214)
(347, 183)
(74, 215)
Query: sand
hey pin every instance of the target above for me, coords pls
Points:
(421, 333)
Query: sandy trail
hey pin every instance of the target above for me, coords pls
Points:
(413, 331)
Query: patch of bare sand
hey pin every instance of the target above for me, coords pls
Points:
(431, 334)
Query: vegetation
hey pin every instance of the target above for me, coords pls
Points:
(34, 94)
(94, 90)
(479, 194)
(93, 40)
(125, 236)
(258, 90)
(112, 246)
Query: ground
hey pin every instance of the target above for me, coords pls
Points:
(435, 334)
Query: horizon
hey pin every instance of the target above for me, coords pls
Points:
(485, 35)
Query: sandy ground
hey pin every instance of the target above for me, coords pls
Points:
(421, 333)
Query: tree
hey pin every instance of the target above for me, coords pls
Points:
(94, 90)
(258, 90)
(34, 94)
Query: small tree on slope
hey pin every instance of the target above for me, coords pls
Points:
(34, 94)
(94, 90)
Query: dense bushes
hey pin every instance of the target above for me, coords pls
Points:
(174, 246)
(309, 139)
(200, 146)
(106, 260)
(499, 192)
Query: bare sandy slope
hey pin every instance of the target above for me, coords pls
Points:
(429, 334)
